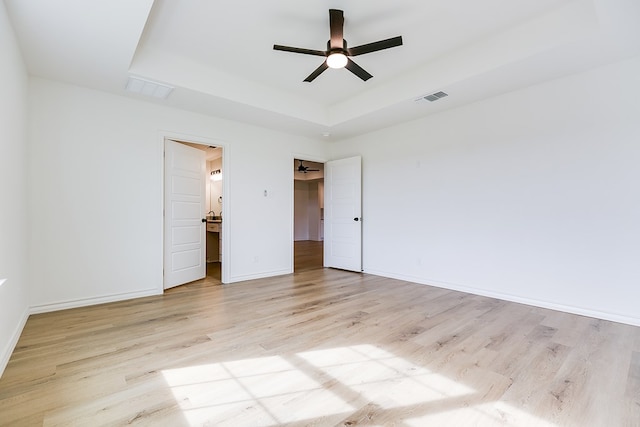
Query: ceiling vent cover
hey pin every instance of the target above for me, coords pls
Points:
(435, 96)
(148, 87)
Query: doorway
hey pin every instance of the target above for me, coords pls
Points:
(208, 238)
(308, 230)
(215, 176)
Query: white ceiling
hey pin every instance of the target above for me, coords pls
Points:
(219, 55)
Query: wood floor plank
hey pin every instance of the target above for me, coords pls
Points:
(321, 347)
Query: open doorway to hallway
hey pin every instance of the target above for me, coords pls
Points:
(308, 214)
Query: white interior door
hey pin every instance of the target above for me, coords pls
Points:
(343, 214)
(184, 207)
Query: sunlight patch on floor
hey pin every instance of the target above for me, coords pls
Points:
(259, 392)
(325, 386)
(384, 378)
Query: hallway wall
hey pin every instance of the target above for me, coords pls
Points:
(14, 216)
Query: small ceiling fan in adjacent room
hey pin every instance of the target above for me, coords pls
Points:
(304, 169)
(338, 54)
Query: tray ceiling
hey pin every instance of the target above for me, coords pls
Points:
(219, 56)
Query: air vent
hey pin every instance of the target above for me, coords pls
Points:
(435, 96)
(147, 87)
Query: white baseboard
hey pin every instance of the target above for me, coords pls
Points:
(83, 302)
(629, 320)
(262, 275)
(7, 351)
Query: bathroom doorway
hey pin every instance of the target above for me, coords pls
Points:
(211, 242)
(214, 200)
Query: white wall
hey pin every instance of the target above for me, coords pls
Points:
(301, 210)
(96, 191)
(314, 212)
(13, 190)
(307, 210)
(531, 196)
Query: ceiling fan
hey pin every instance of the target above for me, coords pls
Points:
(338, 55)
(304, 169)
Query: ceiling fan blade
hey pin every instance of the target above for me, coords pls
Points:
(313, 170)
(336, 23)
(299, 50)
(357, 70)
(375, 46)
(317, 72)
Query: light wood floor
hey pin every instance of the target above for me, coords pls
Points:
(214, 272)
(307, 255)
(321, 348)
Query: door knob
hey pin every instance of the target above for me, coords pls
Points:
(356, 219)
(204, 219)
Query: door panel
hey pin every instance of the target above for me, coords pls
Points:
(186, 259)
(185, 210)
(186, 235)
(184, 232)
(187, 186)
(343, 212)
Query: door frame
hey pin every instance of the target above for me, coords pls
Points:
(194, 139)
(292, 191)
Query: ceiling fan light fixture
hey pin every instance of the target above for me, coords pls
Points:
(337, 54)
(337, 60)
